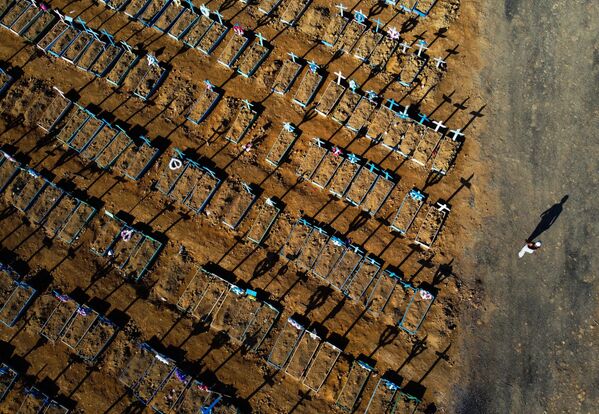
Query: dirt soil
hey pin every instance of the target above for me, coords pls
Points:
(146, 310)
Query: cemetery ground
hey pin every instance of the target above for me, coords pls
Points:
(425, 364)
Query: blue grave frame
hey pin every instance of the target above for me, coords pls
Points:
(27, 288)
(289, 323)
(5, 369)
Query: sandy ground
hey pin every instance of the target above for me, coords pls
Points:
(532, 346)
(425, 362)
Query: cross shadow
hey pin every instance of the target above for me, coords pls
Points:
(548, 218)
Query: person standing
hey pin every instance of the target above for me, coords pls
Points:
(530, 247)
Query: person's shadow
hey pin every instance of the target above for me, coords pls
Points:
(548, 217)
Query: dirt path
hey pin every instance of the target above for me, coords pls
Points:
(534, 349)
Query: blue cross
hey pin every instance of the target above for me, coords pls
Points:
(423, 118)
(219, 16)
(292, 55)
(360, 16)
(108, 36)
(387, 175)
(205, 10)
(353, 158)
(248, 104)
(313, 66)
(208, 84)
(81, 22)
(371, 95)
(341, 8)
(392, 103)
(260, 38)
(353, 85)
(208, 410)
(378, 24)
(372, 167)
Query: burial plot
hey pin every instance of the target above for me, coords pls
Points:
(345, 106)
(327, 168)
(63, 41)
(394, 137)
(244, 119)
(361, 114)
(153, 11)
(416, 311)
(10, 15)
(407, 5)
(267, 214)
(308, 86)
(84, 135)
(234, 48)
(354, 385)
(102, 139)
(353, 31)
(260, 326)
(382, 399)
(294, 11)
(135, 7)
(170, 391)
(317, 150)
(300, 232)
(321, 366)
(104, 63)
(203, 294)
(431, 226)
(199, 399)
(169, 16)
(328, 257)
(303, 354)
(8, 376)
(91, 54)
(366, 44)
(137, 158)
(25, 187)
(40, 24)
(115, 4)
(312, 248)
(426, 146)
(54, 407)
(152, 78)
(107, 231)
(381, 291)
(408, 209)
(253, 57)
(232, 202)
(411, 67)
(383, 52)
(78, 326)
(214, 34)
(70, 124)
(122, 67)
(25, 18)
(33, 402)
(9, 167)
(68, 218)
(423, 7)
(334, 29)
(237, 313)
(268, 6)
(345, 175)
(413, 134)
(196, 187)
(94, 342)
(379, 193)
(153, 378)
(185, 22)
(58, 107)
(332, 94)
(285, 343)
(77, 49)
(51, 35)
(113, 150)
(345, 266)
(191, 28)
(60, 316)
(137, 365)
(445, 155)
(205, 103)
(356, 285)
(288, 73)
(362, 183)
(380, 123)
(282, 145)
(406, 403)
(15, 296)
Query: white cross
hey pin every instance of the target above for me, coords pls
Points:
(248, 104)
(404, 47)
(439, 61)
(439, 125)
(341, 8)
(205, 10)
(288, 127)
(260, 38)
(339, 77)
(421, 47)
(404, 114)
(292, 55)
(457, 133)
(219, 16)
